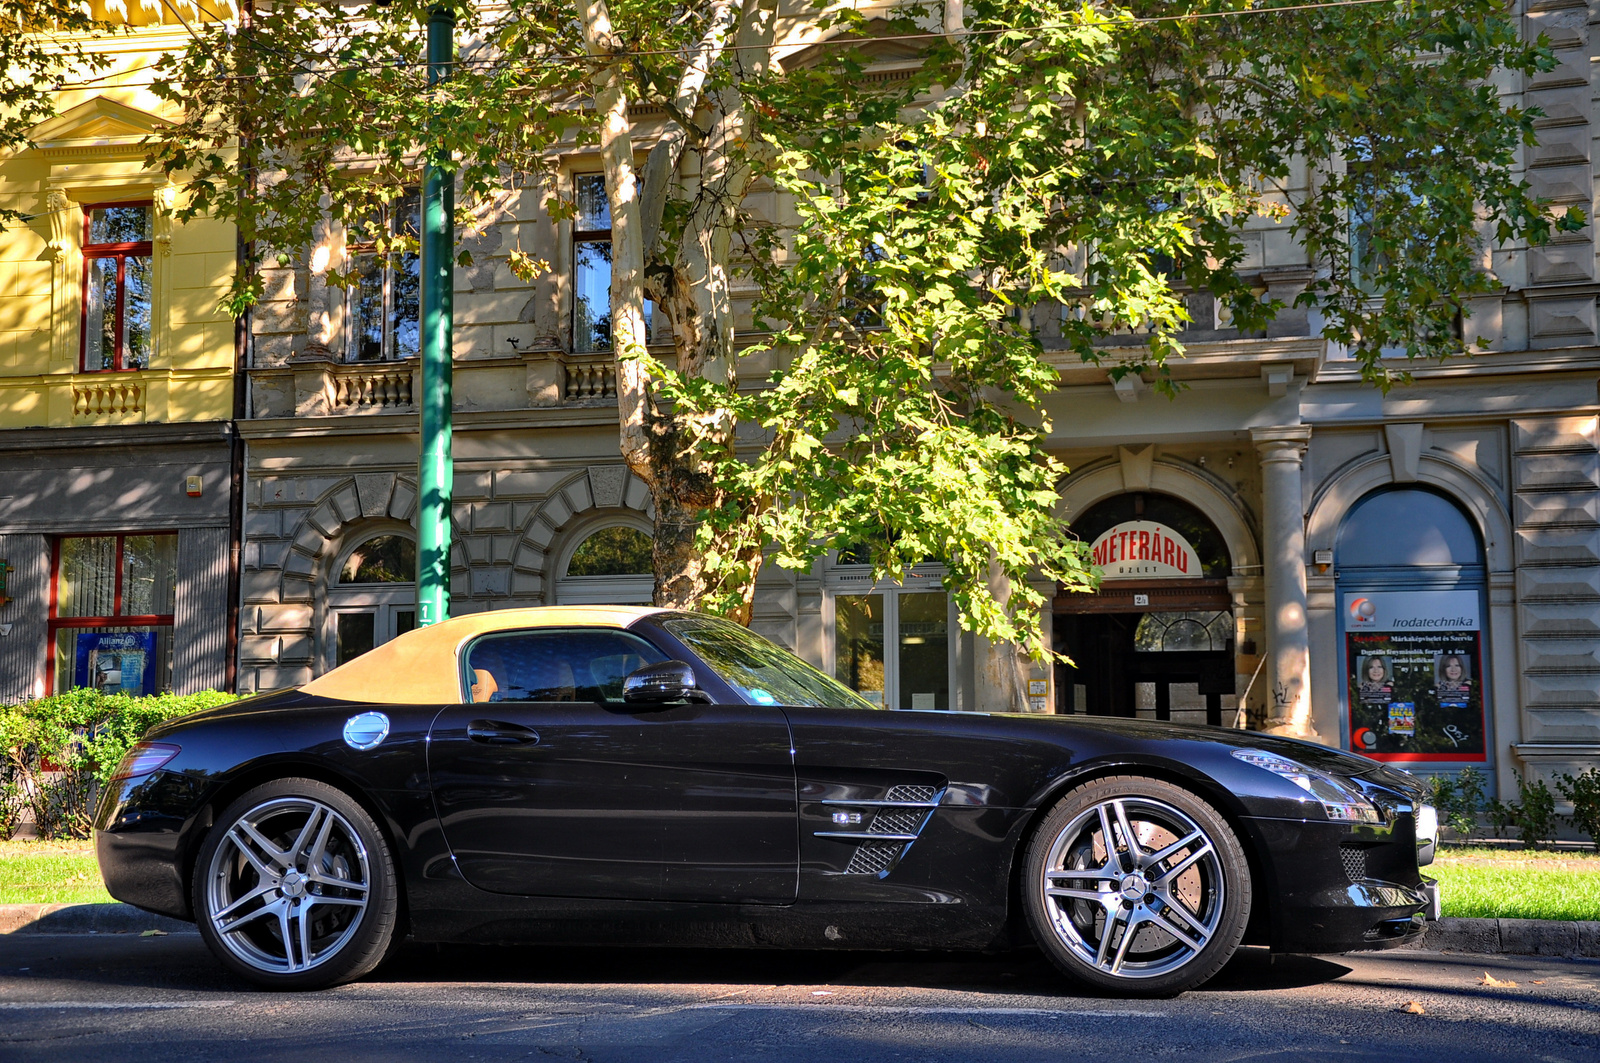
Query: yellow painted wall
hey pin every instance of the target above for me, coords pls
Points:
(91, 153)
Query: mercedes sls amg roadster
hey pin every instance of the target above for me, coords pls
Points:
(643, 776)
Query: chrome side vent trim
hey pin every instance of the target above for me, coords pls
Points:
(897, 821)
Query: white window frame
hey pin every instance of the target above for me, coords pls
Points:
(920, 579)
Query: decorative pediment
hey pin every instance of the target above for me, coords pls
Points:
(98, 122)
(894, 50)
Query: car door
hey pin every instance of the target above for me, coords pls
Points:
(547, 783)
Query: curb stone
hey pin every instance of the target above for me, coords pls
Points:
(85, 919)
(1522, 937)
(1525, 937)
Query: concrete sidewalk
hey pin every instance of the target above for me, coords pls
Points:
(1520, 937)
(85, 919)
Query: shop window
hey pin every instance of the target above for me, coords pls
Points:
(117, 283)
(384, 306)
(610, 566)
(1411, 586)
(111, 611)
(591, 267)
(375, 598)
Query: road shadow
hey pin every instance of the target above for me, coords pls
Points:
(181, 962)
(1024, 972)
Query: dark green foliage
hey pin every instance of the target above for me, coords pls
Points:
(1534, 812)
(56, 751)
(1502, 816)
(1458, 800)
(1584, 793)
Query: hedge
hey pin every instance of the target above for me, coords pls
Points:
(57, 751)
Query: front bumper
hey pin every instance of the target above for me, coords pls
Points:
(1330, 887)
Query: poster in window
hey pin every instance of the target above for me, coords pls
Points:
(1414, 675)
(120, 662)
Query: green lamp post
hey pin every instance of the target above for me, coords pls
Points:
(436, 472)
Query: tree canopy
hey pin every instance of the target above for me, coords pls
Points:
(1088, 161)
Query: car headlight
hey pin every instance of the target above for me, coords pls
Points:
(1342, 802)
(1427, 834)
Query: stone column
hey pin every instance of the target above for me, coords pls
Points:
(1284, 566)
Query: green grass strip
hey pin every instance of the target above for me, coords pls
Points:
(1476, 890)
(50, 873)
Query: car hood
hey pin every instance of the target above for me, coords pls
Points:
(1322, 758)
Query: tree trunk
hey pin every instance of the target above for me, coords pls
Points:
(660, 445)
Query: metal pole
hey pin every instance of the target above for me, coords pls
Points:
(436, 472)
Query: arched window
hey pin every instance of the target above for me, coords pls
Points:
(374, 596)
(614, 551)
(1407, 528)
(381, 559)
(1411, 585)
(611, 565)
(1185, 632)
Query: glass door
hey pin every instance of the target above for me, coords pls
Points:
(916, 624)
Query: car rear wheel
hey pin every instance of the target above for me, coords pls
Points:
(1136, 886)
(294, 887)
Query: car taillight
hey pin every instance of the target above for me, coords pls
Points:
(143, 759)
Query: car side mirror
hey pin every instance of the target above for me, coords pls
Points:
(655, 684)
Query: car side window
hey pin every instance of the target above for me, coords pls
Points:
(559, 665)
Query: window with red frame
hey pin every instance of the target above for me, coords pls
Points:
(116, 286)
(112, 599)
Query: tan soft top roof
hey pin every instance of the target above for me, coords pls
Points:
(419, 667)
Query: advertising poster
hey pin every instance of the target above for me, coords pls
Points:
(122, 662)
(1413, 663)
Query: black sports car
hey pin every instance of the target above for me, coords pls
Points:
(609, 774)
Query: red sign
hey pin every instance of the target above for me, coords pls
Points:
(1145, 549)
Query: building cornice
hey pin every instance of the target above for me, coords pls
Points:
(1483, 364)
(115, 435)
(405, 424)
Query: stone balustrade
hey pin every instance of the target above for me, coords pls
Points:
(385, 386)
(118, 397)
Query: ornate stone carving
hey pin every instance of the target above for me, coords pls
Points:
(58, 206)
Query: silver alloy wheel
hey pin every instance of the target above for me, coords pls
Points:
(1133, 887)
(288, 884)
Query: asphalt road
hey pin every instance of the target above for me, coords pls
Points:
(130, 999)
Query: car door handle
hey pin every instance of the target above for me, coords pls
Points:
(497, 733)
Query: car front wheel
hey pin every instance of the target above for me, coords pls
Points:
(1137, 887)
(295, 887)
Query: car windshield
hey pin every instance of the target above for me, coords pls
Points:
(763, 672)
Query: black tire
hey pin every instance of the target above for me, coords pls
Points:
(294, 887)
(1152, 923)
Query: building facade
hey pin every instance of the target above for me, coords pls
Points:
(116, 402)
(1414, 576)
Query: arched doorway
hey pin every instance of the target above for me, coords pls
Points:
(1411, 581)
(373, 597)
(1157, 640)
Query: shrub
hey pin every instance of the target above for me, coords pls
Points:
(1502, 816)
(54, 752)
(1469, 799)
(1535, 812)
(1584, 793)
(1458, 800)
